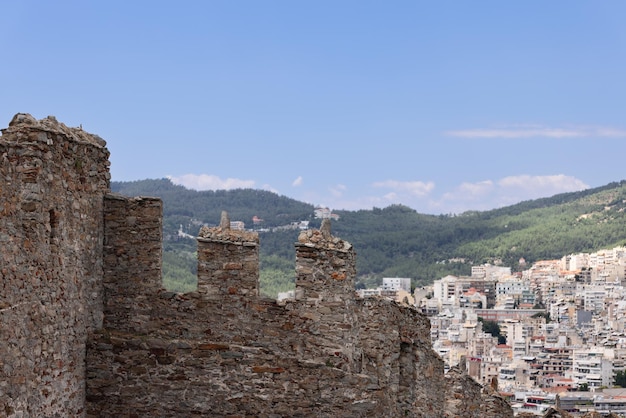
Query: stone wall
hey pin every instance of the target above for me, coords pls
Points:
(52, 179)
(133, 236)
(87, 330)
(223, 351)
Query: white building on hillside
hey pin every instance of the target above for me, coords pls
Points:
(396, 283)
(488, 271)
(593, 366)
(444, 290)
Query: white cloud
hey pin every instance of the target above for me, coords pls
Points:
(541, 186)
(467, 194)
(488, 194)
(415, 188)
(338, 190)
(536, 131)
(476, 189)
(297, 182)
(210, 182)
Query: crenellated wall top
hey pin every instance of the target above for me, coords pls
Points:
(227, 235)
(323, 238)
(224, 234)
(25, 128)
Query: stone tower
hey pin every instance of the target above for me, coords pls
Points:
(52, 182)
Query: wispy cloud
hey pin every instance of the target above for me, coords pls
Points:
(297, 182)
(509, 190)
(415, 188)
(481, 195)
(536, 131)
(468, 195)
(210, 182)
(540, 186)
(410, 193)
(476, 190)
(338, 190)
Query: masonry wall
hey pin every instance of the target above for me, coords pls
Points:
(325, 272)
(133, 236)
(52, 179)
(223, 351)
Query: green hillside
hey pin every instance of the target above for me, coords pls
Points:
(393, 241)
(190, 209)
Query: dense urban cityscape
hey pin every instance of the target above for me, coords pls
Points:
(550, 335)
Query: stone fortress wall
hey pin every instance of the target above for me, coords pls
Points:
(52, 183)
(87, 330)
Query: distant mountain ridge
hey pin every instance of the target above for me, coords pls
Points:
(396, 241)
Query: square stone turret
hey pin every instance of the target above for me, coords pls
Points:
(325, 270)
(228, 262)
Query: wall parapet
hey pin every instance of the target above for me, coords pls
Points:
(24, 128)
(223, 350)
(225, 235)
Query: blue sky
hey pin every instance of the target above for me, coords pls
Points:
(443, 106)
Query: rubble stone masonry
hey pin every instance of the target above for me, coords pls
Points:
(87, 329)
(52, 180)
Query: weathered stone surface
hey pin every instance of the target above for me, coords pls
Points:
(52, 179)
(325, 353)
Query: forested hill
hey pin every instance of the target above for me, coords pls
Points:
(206, 206)
(398, 241)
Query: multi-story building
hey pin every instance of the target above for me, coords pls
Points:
(500, 315)
(448, 290)
(488, 271)
(444, 290)
(593, 367)
(396, 283)
(517, 288)
(594, 297)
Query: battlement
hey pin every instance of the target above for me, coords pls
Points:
(25, 128)
(88, 330)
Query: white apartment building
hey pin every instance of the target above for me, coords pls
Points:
(610, 273)
(516, 288)
(594, 297)
(488, 271)
(593, 366)
(444, 290)
(575, 262)
(514, 375)
(563, 311)
(515, 331)
(512, 285)
(396, 283)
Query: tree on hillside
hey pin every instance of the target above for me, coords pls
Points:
(492, 327)
(620, 379)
